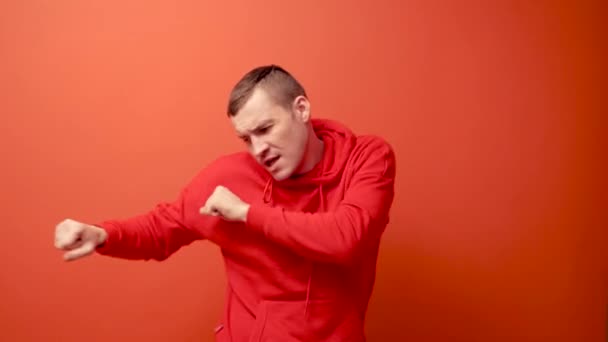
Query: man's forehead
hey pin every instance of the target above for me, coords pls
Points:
(256, 111)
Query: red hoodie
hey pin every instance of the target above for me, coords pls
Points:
(303, 266)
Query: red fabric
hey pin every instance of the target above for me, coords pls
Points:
(303, 266)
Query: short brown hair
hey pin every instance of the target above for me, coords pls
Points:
(279, 84)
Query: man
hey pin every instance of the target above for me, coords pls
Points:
(298, 218)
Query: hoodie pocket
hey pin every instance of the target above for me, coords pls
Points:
(319, 321)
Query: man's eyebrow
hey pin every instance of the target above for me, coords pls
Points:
(256, 128)
(261, 125)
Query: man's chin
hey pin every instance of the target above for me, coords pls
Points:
(280, 175)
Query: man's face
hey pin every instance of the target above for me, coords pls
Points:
(276, 137)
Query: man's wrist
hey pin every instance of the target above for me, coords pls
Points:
(102, 236)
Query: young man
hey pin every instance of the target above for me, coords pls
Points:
(298, 218)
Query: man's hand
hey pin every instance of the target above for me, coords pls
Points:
(78, 238)
(225, 204)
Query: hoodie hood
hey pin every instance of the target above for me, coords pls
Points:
(338, 143)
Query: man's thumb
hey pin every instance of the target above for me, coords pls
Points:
(86, 249)
(205, 210)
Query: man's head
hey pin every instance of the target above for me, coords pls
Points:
(271, 114)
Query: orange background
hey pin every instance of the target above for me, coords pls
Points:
(493, 108)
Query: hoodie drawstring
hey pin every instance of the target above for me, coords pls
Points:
(322, 205)
(308, 291)
(268, 191)
(321, 198)
(267, 197)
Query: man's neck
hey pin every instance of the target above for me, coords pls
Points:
(313, 154)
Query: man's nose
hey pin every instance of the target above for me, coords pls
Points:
(259, 147)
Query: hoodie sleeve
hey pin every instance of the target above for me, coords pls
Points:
(154, 235)
(163, 230)
(340, 235)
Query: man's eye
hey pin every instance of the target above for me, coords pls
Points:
(245, 139)
(264, 129)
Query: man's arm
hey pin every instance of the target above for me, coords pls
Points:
(154, 235)
(339, 235)
(169, 226)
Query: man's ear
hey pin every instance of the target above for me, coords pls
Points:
(301, 108)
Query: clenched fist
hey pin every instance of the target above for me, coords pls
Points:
(78, 238)
(225, 204)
